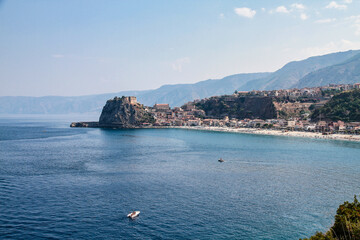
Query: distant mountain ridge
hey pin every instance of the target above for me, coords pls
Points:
(290, 75)
(314, 71)
(178, 94)
(56, 104)
(175, 95)
(343, 73)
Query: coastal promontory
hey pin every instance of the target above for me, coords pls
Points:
(124, 112)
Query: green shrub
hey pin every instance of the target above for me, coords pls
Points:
(346, 226)
(344, 106)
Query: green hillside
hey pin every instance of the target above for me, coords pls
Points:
(344, 106)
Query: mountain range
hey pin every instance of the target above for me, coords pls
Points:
(336, 68)
(342, 73)
(291, 74)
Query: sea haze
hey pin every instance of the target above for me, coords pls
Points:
(58, 182)
(310, 72)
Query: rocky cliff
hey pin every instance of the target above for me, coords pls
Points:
(124, 112)
(239, 107)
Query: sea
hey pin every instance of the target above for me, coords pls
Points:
(58, 182)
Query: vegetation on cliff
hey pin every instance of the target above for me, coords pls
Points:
(346, 226)
(344, 106)
(122, 113)
(238, 107)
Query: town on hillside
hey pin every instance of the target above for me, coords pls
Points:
(293, 108)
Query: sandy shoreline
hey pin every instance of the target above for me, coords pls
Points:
(342, 137)
(259, 131)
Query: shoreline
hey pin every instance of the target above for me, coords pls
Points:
(273, 132)
(257, 131)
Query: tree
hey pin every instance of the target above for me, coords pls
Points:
(347, 223)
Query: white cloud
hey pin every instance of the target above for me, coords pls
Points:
(179, 63)
(298, 6)
(263, 9)
(295, 7)
(355, 23)
(342, 45)
(221, 15)
(352, 45)
(357, 30)
(347, 1)
(335, 5)
(245, 12)
(303, 16)
(326, 20)
(57, 55)
(281, 9)
(354, 18)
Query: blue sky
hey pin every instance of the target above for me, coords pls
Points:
(75, 47)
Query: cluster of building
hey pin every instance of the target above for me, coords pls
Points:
(296, 125)
(190, 115)
(314, 92)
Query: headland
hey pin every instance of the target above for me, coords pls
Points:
(294, 112)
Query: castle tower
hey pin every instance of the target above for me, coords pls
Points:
(132, 100)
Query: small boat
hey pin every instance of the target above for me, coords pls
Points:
(133, 214)
(221, 160)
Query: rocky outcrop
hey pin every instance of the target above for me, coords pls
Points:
(238, 107)
(124, 112)
(292, 109)
(85, 124)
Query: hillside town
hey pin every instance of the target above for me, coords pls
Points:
(190, 115)
(315, 92)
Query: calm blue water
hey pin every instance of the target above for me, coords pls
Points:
(57, 182)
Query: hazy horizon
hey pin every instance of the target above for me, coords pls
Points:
(90, 47)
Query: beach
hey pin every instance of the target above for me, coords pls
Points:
(274, 132)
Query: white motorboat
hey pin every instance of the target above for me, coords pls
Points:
(221, 160)
(133, 214)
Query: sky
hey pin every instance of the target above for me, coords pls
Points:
(81, 47)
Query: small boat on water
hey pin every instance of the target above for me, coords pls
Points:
(221, 160)
(133, 214)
